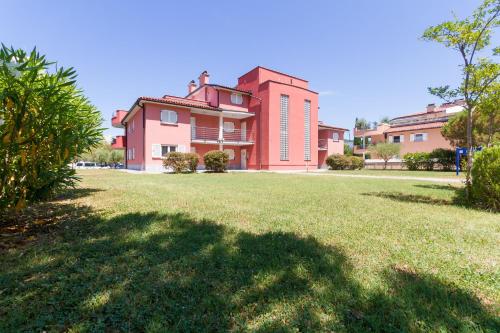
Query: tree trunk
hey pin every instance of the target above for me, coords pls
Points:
(468, 179)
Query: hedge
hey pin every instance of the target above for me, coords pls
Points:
(342, 162)
(181, 162)
(486, 178)
(445, 158)
(216, 161)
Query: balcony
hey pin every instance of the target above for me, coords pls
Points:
(119, 142)
(208, 135)
(323, 144)
(116, 120)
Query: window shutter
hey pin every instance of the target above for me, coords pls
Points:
(401, 138)
(156, 150)
(412, 137)
(307, 130)
(424, 136)
(284, 127)
(182, 148)
(391, 139)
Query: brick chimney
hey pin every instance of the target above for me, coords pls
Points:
(203, 79)
(431, 107)
(191, 86)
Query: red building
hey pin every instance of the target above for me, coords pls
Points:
(268, 121)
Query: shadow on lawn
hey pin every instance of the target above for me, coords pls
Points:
(162, 272)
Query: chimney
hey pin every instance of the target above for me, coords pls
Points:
(203, 79)
(431, 107)
(191, 86)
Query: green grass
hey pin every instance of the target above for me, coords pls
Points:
(256, 253)
(418, 173)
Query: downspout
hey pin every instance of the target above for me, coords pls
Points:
(143, 106)
(260, 131)
(126, 147)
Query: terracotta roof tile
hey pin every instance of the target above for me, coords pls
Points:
(180, 101)
(415, 127)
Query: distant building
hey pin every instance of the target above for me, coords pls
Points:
(417, 132)
(268, 121)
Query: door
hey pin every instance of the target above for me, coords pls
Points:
(243, 131)
(243, 159)
(193, 128)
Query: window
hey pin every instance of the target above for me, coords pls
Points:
(396, 139)
(165, 149)
(307, 130)
(236, 98)
(168, 117)
(230, 153)
(335, 136)
(284, 128)
(228, 127)
(420, 137)
(133, 153)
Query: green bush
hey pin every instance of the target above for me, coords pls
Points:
(47, 122)
(356, 163)
(181, 162)
(418, 161)
(486, 178)
(342, 162)
(216, 161)
(192, 160)
(444, 157)
(337, 162)
(176, 161)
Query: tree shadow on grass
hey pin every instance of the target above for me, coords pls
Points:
(169, 272)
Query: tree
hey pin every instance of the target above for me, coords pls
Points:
(46, 122)
(468, 37)
(104, 154)
(384, 120)
(361, 124)
(347, 150)
(385, 151)
(117, 156)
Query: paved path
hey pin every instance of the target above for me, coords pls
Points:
(425, 179)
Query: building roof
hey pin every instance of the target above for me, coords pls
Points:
(325, 126)
(277, 72)
(415, 127)
(229, 88)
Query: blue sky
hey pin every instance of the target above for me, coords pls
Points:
(363, 57)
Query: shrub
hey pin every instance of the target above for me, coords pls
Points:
(337, 162)
(356, 163)
(46, 124)
(444, 157)
(385, 151)
(216, 161)
(176, 161)
(192, 160)
(416, 161)
(342, 162)
(486, 179)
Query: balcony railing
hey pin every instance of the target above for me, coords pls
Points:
(212, 134)
(322, 144)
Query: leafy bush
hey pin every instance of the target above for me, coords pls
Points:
(385, 151)
(356, 163)
(417, 161)
(181, 162)
(46, 124)
(216, 161)
(337, 162)
(486, 179)
(444, 157)
(176, 161)
(342, 162)
(192, 160)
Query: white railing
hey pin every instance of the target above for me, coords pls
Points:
(212, 134)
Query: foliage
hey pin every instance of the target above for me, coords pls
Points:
(192, 160)
(385, 120)
(486, 175)
(342, 162)
(469, 36)
(385, 151)
(46, 123)
(415, 161)
(361, 124)
(443, 157)
(347, 150)
(216, 161)
(181, 162)
(104, 154)
(175, 161)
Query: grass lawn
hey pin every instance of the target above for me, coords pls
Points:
(257, 252)
(418, 173)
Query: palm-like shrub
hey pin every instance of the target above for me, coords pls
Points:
(216, 161)
(45, 123)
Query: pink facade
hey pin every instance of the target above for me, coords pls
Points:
(268, 121)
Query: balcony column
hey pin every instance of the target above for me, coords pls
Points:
(221, 131)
